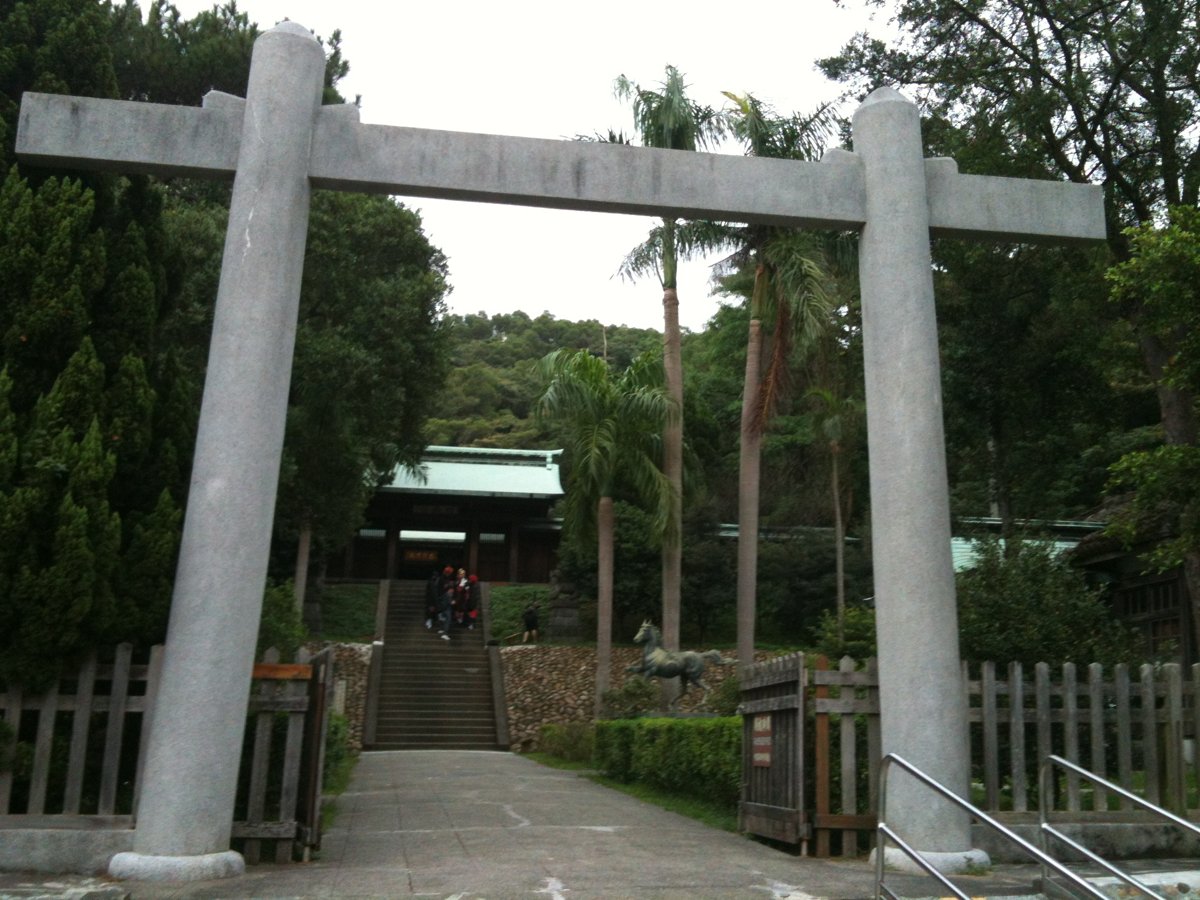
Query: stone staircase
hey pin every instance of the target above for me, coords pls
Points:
(433, 694)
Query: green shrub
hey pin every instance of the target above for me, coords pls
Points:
(723, 700)
(614, 748)
(638, 696)
(339, 760)
(570, 741)
(1028, 605)
(348, 612)
(859, 634)
(698, 757)
(281, 626)
(508, 601)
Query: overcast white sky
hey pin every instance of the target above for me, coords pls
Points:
(544, 69)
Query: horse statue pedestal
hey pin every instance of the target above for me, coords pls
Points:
(686, 665)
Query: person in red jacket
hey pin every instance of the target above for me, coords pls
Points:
(471, 607)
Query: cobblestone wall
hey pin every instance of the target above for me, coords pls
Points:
(350, 665)
(545, 684)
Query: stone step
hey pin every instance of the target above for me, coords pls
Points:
(422, 731)
(406, 729)
(462, 715)
(462, 669)
(434, 706)
(423, 638)
(438, 705)
(435, 726)
(445, 680)
(436, 744)
(440, 655)
(438, 670)
(434, 694)
(433, 701)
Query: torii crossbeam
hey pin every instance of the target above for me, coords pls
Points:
(279, 143)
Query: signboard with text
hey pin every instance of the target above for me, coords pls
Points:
(761, 737)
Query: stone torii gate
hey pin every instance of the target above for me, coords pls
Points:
(279, 143)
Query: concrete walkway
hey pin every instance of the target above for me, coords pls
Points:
(464, 825)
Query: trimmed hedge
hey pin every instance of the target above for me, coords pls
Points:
(702, 757)
(571, 741)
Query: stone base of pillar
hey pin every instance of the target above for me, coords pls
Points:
(144, 867)
(948, 863)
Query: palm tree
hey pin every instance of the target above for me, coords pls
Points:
(611, 425)
(788, 290)
(669, 120)
(837, 417)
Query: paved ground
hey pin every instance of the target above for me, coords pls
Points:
(467, 825)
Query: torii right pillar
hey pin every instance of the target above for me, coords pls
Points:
(922, 699)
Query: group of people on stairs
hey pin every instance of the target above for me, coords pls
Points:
(451, 600)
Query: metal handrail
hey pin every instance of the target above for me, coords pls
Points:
(884, 832)
(1045, 828)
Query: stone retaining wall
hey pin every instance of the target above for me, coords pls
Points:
(542, 684)
(350, 665)
(546, 684)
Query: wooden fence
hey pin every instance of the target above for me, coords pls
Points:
(102, 704)
(845, 703)
(74, 753)
(1136, 730)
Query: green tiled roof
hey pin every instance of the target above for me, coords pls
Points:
(964, 553)
(483, 472)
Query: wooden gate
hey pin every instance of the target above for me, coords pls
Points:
(772, 803)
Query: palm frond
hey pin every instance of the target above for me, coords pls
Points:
(765, 133)
(612, 425)
(799, 282)
(605, 137)
(646, 258)
(699, 237)
(668, 118)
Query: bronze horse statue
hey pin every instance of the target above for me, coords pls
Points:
(687, 665)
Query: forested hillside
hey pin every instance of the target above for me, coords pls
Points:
(491, 386)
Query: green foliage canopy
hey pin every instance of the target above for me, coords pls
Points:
(1162, 484)
(1030, 606)
(106, 292)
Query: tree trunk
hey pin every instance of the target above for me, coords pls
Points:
(604, 597)
(300, 583)
(749, 470)
(1177, 409)
(672, 557)
(839, 546)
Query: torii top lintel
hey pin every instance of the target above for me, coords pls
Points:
(168, 140)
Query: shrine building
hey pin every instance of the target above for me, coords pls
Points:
(486, 510)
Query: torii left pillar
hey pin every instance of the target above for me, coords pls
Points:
(185, 813)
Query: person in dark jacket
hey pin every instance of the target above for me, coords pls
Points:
(530, 618)
(445, 604)
(431, 597)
